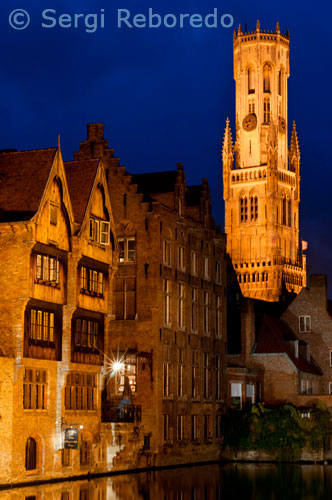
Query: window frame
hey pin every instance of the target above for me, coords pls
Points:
(126, 251)
(306, 318)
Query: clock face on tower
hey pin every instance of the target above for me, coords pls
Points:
(249, 122)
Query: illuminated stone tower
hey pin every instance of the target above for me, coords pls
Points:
(261, 174)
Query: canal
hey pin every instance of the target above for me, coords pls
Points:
(205, 482)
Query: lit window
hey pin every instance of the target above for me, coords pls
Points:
(167, 253)
(91, 280)
(127, 249)
(34, 389)
(304, 324)
(41, 326)
(47, 269)
(127, 378)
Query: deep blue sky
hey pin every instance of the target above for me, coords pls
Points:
(164, 94)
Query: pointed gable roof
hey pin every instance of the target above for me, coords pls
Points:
(23, 178)
(80, 177)
(274, 337)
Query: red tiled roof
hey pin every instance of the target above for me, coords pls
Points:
(23, 178)
(80, 177)
(274, 336)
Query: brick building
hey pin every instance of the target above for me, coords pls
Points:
(169, 312)
(57, 240)
(310, 317)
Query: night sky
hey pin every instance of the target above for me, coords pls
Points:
(164, 93)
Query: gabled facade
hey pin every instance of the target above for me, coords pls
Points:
(54, 311)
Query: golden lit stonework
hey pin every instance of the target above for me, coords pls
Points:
(261, 175)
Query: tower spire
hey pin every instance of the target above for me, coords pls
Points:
(294, 149)
(258, 26)
(277, 27)
(227, 147)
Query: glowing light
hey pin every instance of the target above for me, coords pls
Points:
(118, 366)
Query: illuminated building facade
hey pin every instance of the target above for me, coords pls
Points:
(261, 174)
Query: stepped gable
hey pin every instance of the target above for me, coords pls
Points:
(275, 336)
(23, 177)
(80, 177)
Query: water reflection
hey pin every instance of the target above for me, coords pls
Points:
(209, 482)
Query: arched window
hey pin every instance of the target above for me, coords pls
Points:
(253, 278)
(283, 211)
(289, 213)
(267, 110)
(31, 454)
(253, 208)
(244, 208)
(251, 81)
(267, 78)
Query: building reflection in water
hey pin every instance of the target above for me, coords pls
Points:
(209, 482)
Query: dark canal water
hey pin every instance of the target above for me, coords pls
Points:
(207, 482)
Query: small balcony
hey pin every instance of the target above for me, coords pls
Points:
(119, 412)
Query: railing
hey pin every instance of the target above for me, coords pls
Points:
(118, 412)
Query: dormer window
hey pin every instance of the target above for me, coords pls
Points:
(99, 231)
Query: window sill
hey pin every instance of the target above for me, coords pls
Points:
(52, 284)
(42, 343)
(91, 294)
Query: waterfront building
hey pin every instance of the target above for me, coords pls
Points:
(169, 323)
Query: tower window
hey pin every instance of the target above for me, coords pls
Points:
(244, 209)
(267, 110)
(251, 81)
(289, 203)
(253, 208)
(280, 83)
(283, 211)
(251, 106)
(267, 78)
(31, 454)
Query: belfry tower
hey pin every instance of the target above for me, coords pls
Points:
(261, 175)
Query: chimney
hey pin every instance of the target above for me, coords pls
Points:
(318, 287)
(95, 131)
